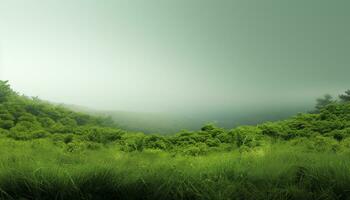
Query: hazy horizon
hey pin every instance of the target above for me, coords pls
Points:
(176, 56)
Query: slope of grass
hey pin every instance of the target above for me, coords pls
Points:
(39, 170)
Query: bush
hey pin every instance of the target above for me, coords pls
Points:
(73, 147)
(46, 122)
(213, 142)
(345, 143)
(156, 142)
(28, 135)
(93, 145)
(133, 142)
(323, 144)
(212, 130)
(6, 116)
(6, 124)
(275, 130)
(68, 138)
(199, 149)
(39, 134)
(339, 134)
(102, 135)
(249, 136)
(4, 131)
(61, 139)
(19, 135)
(25, 126)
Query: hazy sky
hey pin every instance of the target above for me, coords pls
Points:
(159, 55)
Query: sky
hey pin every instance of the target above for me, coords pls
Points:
(176, 55)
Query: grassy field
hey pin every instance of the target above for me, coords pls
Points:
(40, 170)
(51, 152)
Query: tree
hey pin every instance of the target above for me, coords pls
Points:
(324, 101)
(5, 91)
(345, 97)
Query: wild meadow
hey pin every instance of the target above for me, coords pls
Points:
(40, 170)
(50, 152)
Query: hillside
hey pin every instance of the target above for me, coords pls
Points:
(170, 123)
(50, 152)
(24, 118)
(146, 122)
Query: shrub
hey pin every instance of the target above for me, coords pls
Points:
(156, 142)
(212, 130)
(6, 116)
(4, 131)
(25, 126)
(213, 142)
(68, 138)
(249, 136)
(38, 134)
(323, 144)
(195, 150)
(46, 122)
(28, 135)
(60, 139)
(6, 124)
(68, 122)
(93, 145)
(75, 147)
(102, 135)
(133, 142)
(345, 143)
(275, 130)
(339, 134)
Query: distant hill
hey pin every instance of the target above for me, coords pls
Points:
(169, 123)
(147, 122)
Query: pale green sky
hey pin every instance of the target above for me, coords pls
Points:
(162, 55)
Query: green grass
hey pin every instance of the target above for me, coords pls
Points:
(40, 170)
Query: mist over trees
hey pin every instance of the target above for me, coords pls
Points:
(327, 99)
(345, 97)
(324, 101)
(25, 118)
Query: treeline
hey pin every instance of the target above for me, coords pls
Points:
(25, 118)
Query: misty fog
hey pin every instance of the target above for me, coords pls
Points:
(233, 62)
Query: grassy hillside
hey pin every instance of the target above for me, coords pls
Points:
(50, 152)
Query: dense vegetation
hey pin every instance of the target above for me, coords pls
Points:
(50, 152)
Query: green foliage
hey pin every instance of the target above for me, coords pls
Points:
(50, 152)
(134, 142)
(6, 124)
(5, 91)
(321, 143)
(345, 97)
(3, 132)
(339, 134)
(248, 136)
(27, 118)
(102, 135)
(274, 130)
(324, 101)
(196, 150)
(156, 142)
